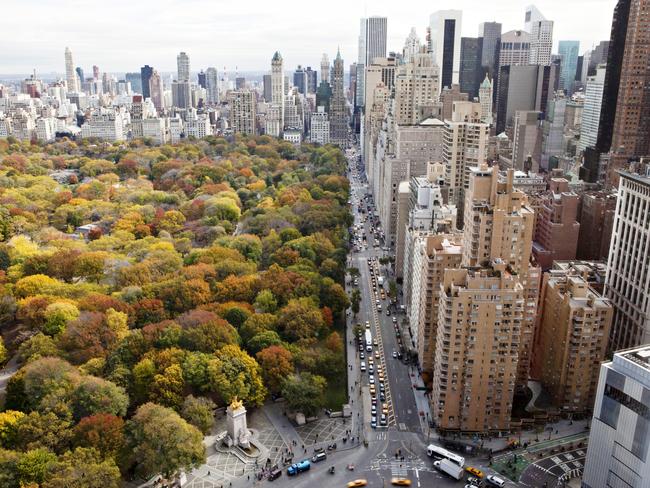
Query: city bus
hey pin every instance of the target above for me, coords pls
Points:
(440, 453)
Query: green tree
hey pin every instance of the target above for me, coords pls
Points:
(265, 302)
(36, 347)
(263, 340)
(356, 301)
(95, 395)
(84, 468)
(160, 441)
(305, 392)
(35, 466)
(46, 430)
(300, 319)
(199, 412)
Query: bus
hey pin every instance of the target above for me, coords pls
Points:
(440, 453)
(368, 339)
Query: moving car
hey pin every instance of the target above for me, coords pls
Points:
(450, 468)
(495, 480)
(321, 456)
(357, 483)
(394, 354)
(475, 471)
(400, 482)
(275, 474)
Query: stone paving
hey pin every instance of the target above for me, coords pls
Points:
(323, 430)
(221, 468)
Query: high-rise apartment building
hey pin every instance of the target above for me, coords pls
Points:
(320, 127)
(477, 347)
(183, 67)
(275, 114)
(619, 451)
(432, 255)
(556, 226)
(212, 85)
(591, 109)
(72, 80)
(490, 35)
(145, 75)
(568, 51)
(338, 106)
(471, 69)
(243, 111)
(541, 36)
(597, 209)
(499, 226)
(570, 340)
(631, 134)
(465, 141)
(628, 267)
(448, 97)
(416, 84)
(444, 44)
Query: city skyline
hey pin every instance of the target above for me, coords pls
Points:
(154, 36)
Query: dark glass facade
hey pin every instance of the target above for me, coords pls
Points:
(447, 68)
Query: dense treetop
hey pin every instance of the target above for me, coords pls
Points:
(142, 286)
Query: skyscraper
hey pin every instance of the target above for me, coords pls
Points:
(156, 91)
(411, 46)
(183, 66)
(627, 283)
(485, 97)
(631, 135)
(300, 80)
(312, 80)
(591, 109)
(372, 44)
(444, 38)
(95, 72)
(136, 81)
(338, 107)
(201, 79)
(541, 36)
(568, 51)
(275, 115)
(72, 80)
(490, 32)
(324, 69)
(471, 71)
(80, 74)
(145, 75)
(212, 85)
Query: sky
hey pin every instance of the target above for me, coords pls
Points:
(123, 35)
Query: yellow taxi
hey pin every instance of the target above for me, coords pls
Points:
(355, 483)
(372, 390)
(475, 471)
(400, 482)
(384, 409)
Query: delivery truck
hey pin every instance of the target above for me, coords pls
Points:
(450, 468)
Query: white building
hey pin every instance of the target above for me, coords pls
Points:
(155, 128)
(591, 109)
(627, 283)
(72, 80)
(320, 127)
(183, 65)
(411, 46)
(105, 124)
(619, 440)
(275, 114)
(197, 125)
(541, 36)
(176, 129)
(293, 136)
(46, 128)
(212, 85)
(445, 33)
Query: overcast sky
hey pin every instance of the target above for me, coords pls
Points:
(122, 35)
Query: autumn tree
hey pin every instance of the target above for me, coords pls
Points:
(102, 431)
(233, 373)
(276, 364)
(300, 319)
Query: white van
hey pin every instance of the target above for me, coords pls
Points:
(496, 481)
